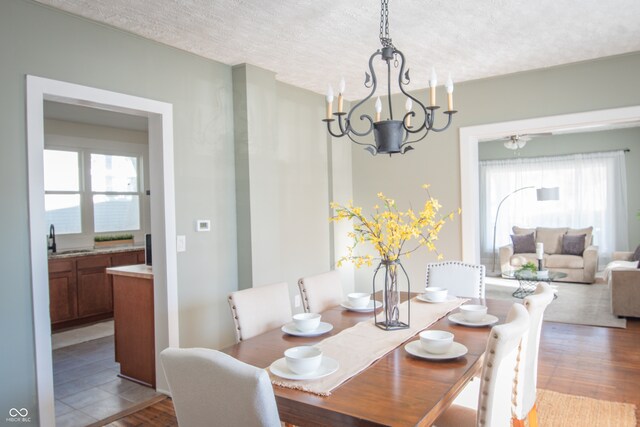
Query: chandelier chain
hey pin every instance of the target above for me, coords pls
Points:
(385, 40)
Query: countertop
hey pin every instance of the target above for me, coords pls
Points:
(142, 271)
(73, 253)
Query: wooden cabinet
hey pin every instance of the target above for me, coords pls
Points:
(134, 323)
(62, 290)
(80, 290)
(95, 294)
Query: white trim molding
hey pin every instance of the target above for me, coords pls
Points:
(163, 221)
(469, 172)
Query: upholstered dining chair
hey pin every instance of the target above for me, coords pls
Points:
(501, 361)
(321, 291)
(525, 397)
(257, 310)
(461, 279)
(212, 388)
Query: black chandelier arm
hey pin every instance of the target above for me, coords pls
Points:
(374, 85)
(363, 117)
(450, 114)
(415, 140)
(335, 135)
(341, 125)
(369, 146)
(412, 129)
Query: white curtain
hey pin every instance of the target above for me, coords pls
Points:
(593, 192)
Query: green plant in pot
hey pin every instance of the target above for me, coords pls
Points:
(113, 240)
(529, 266)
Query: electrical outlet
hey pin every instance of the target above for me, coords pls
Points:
(297, 302)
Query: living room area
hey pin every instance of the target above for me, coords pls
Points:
(560, 206)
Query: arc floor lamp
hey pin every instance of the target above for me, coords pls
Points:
(542, 194)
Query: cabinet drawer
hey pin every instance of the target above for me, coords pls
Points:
(93, 261)
(125, 258)
(61, 266)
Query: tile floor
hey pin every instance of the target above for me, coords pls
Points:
(86, 387)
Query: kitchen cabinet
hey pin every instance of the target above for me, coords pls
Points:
(80, 290)
(134, 322)
(62, 290)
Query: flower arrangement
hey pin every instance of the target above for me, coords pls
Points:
(390, 230)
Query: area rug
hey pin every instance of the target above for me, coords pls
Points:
(78, 335)
(576, 303)
(564, 410)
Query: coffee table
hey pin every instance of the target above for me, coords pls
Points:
(528, 280)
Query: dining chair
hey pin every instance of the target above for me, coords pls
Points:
(525, 397)
(260, 309)
(497, 382)
(460, 279)
(212, 388)
(321, 291)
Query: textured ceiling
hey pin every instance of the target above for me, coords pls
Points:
(311, 43)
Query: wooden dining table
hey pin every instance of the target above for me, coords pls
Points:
(396, 390)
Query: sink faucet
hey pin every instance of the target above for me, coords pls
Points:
(52, 239)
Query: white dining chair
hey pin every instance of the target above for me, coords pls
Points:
(460, 279)
(212, 388)
(525, 397)
(260, 309)
(321, 291)
(497, 381)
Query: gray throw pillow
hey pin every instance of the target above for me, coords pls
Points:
(573, 244)
(523, 243)
(636, 256)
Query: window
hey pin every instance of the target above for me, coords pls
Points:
(592, 193)
(114, 187)
(109, 202)
(62, 191)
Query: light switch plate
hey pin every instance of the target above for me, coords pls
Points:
(181, 244)
(203, 225)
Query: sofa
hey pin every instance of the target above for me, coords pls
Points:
(624, 284)
(580, 267)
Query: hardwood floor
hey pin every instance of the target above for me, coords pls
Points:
(602, 363)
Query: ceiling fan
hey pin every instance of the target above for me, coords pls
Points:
(514, 142)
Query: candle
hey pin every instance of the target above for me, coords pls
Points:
(539, 250)
(378, 109)
(329, 102)
(408, 105)
(341, 87)
(433, 82)
(449, 93)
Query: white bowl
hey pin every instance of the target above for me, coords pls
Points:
(306, 322)
(436, 342)
(435, 294)
(473, 312)
(303, 360)
(359, 299)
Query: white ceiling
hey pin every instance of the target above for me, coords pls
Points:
(311, 43)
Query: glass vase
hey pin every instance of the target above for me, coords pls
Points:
(388, 277)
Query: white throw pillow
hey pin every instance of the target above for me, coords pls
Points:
(614, 265)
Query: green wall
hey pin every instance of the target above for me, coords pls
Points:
(585, 142)
(436, 159)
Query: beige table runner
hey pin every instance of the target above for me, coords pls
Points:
(356, 348)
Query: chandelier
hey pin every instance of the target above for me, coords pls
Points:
(391, 136)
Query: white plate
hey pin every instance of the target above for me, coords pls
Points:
(323, 328)
(488, 319)
(328, 367)
(369, 307)
(414, 348)
(447, 299)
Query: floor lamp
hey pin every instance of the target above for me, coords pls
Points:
(542, 194)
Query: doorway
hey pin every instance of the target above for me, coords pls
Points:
(160, 122)
(469, 171)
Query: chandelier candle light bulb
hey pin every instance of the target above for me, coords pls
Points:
(329, 102)
(433, 82)
(378, 109)
(341, 87)
(449, 93)
(408, 105)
